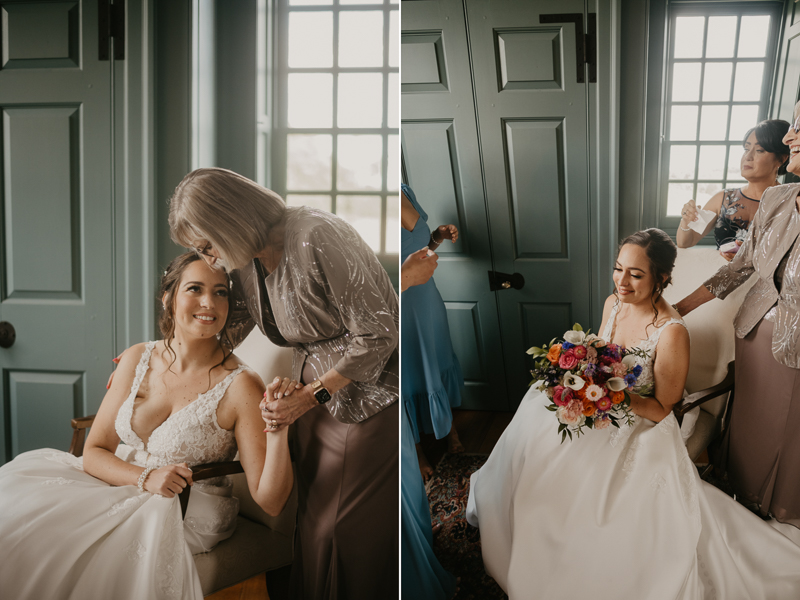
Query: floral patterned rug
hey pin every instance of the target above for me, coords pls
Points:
(458, 544)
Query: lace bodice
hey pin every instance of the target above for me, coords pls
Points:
(645, 385)
(191, 435)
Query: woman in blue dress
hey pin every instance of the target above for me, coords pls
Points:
(431, 376)
(424, 578)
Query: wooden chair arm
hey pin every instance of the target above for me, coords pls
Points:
(698, 398)
(208, 471)
(79, 426)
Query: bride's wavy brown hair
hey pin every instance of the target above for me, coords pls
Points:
(166, 320)
(661, 252)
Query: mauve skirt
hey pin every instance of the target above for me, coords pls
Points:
(346, 542)
(762, 445)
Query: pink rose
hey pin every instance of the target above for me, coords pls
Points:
(580, 352)
(601, 422)
(571, 414)
(591, 354)
(568, 360)
(562, 395)
(620, 370)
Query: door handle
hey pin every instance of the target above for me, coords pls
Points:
(504, 281)
(7, 334)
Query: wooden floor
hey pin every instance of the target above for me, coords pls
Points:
(479, 432)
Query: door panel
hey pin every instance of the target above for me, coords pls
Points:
(534, 142)
(441, 162)
(57, 251)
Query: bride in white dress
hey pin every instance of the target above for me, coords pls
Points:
(109, 525)
(622, 513)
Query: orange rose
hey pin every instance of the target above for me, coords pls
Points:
(581, 393)
(554, 353)
(616, 397)
(589, 408)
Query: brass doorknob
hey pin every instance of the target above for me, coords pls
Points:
(505, 285)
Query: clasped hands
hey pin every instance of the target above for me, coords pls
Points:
(285, 401)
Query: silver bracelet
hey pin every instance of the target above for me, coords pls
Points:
(682, 229)
(143, 477)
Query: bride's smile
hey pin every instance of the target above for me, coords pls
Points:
(201, 301)
(632, 278)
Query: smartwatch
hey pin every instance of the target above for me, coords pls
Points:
(321, 393)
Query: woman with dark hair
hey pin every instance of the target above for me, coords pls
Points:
(622, 513)
(108, 525)
(764, 159)
(312, 283)
(761, 449)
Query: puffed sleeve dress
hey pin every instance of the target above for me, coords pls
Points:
(333, 303)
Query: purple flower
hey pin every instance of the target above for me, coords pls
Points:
(630, 379)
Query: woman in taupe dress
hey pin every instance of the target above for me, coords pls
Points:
(309, 281)
(762, 443)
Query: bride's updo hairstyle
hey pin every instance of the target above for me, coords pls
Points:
(233, 213)
(166, 320)
(661, 252)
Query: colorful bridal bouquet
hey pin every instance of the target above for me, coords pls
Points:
(587, 381)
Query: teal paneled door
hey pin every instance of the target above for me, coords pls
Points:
(56, 284)
(514, 69)
(442, 163)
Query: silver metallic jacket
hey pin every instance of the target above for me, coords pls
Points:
(772, 237)
(332, 302)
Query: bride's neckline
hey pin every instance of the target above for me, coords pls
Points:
(145, 368)
(613, 322)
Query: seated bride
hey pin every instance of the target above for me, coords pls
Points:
(621, 512)
(109, 525)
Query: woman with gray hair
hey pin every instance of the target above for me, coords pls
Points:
(310, 282)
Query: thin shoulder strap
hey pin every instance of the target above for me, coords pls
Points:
(141, 368)
(611, 324)
(413, 199)
(218, 391)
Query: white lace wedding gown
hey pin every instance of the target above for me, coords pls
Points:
(618, 514)
(66, 534)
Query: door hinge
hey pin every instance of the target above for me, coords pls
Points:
(585, 43)
(111, 24)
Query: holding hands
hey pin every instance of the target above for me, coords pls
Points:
(278, 409)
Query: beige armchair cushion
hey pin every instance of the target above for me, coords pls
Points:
(712, 336)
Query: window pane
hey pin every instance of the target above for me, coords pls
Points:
(394, 101)
(706, 190)
(681, 162)
(689, 37)
(363, 213)
(309, 2)
(742, 119)
(753, 36)
(717, 82)
(712, 162)
(735, 154)
(686, 82)
(310, 100)
(678, 194)
(721, 37)
(713, 122)
(345, 2)
(308, 162)
(394, 45)
(748, 81)
(683, 123)
(310, 39)
(361, 39)
(359, 162)
(320, 202)
(360, 100)
(393, 160)
(392, 224)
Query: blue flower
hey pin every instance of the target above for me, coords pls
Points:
(637, 370)
(567, 346)
(630, 379)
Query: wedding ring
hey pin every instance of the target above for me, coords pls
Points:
(273, 423)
